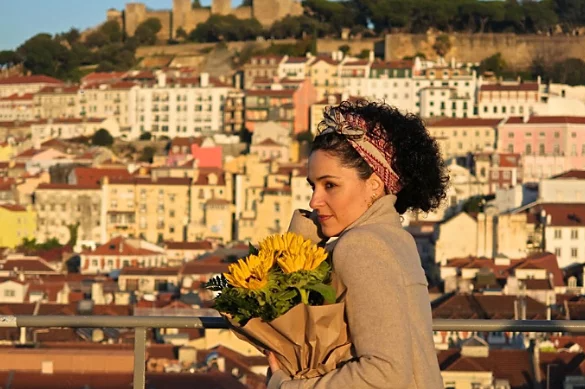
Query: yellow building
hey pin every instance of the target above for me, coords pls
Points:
(211, 210)
(6, 152)
(325, 76)
(17, 223)
(54, 102)
(60, 206)
(459, 136)
(154, 209)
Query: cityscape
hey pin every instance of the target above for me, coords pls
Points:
(141, 157)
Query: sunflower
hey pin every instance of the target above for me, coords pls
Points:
(298, 253)
(251, 272)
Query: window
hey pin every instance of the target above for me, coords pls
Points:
(94, 262)
(558, 233)
(528, 149)
(541, 149)
(557, 135)
(506, 175)
(511, 135)
(495, 175)
(276, 207)
(558, 251)
(9, 293)
(495, 109)
(574, 252)
(485, 109)
(574, 233)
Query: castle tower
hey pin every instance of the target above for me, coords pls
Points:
(221, 7)
(134, 14)
(181, 11)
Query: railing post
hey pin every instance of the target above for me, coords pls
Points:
(139, 358)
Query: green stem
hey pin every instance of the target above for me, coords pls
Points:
(304, 296)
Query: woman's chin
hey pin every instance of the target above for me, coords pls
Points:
(330, 232)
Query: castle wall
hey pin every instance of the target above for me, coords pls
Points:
(221, 7)
(165, 20)
(134, 14)
(242, 12)
(517, 50)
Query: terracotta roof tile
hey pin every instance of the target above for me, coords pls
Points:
(201, 245)
(547, 120)
(466, 122)
(528, 86)
(36, 79)
(572, 174)
(151, 271)
(118, 246)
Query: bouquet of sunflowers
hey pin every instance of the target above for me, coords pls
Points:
(284, 298)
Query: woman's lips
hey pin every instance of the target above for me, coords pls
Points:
(323, 218)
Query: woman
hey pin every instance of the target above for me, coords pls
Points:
(369, 165)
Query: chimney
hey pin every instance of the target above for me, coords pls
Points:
(161, 79)
(204, 80)
(371, 56)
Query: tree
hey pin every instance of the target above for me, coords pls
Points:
(147, 154)
(102, 137)
(44, 55)
(73, 234)
(146, 31)
(196, 4)
(226, 28)
(570, 71)
(494, 63)
(72, 36)
(96, 39)
(344, 49)
(442, 45)
(145, 136)
(112, 30)
(9, 58)
(306, 136)
(181, 33)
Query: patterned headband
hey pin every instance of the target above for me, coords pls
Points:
(372, 145)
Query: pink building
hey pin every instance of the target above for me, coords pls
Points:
(549, 145)
(286, 104)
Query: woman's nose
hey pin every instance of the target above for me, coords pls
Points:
(316, 200)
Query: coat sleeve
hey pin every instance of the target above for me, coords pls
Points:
(377, 318)
(306, 224)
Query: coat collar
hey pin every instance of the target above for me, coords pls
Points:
(381, 212)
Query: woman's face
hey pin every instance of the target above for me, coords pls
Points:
(340, 196)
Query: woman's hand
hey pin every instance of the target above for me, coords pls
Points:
(273, 362)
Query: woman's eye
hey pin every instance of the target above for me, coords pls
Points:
(329, 185)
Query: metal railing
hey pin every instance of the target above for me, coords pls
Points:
(142, 323)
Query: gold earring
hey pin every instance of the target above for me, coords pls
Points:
(373, 199)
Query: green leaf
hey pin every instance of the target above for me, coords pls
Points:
(327, 291)
(252, 250)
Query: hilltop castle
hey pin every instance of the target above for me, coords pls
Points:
(184, 16)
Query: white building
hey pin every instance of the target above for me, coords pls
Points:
(568, 187)
(17, 107)
(446, 85)
(564, 231)
(44, 130)
(110, 100)
(180, 107)
(25, 84)
(392, 82)
(296, 68)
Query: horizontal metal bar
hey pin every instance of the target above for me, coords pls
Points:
(113, 321)
(570, 326)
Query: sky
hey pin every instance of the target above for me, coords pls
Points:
(22, 19)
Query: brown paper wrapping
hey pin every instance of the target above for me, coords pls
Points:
(308, 341)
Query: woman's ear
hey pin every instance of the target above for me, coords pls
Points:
(376, 184)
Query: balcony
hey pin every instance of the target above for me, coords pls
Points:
(140, 324)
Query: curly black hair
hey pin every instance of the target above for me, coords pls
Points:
(416, 157)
